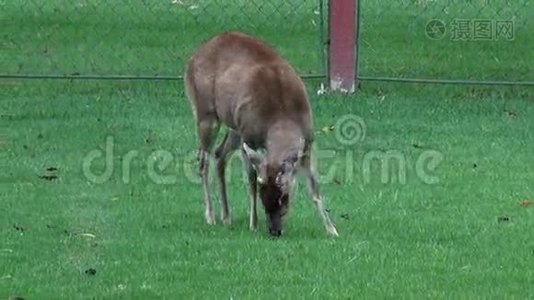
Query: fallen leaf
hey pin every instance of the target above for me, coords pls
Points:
(503, 219)
(90, 271)
(327, 129)
(525, 203)
(88, 235)
(48, 177)
(18, 228)
(510, 113)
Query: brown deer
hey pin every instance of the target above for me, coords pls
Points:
(239, 81)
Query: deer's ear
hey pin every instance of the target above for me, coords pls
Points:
(288, 168)
(254, 157)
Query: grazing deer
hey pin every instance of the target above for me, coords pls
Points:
(241, 82)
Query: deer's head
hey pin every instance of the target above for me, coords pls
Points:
(276, 180)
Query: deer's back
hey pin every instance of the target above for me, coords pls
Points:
(247, 85)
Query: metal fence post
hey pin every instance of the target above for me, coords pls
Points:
(342, 22)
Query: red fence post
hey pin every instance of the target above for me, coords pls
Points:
(342, 47)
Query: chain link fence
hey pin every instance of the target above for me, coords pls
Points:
(148, 37)
(482, 40)
(471, 40)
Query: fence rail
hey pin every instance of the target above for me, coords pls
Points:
(429, 41)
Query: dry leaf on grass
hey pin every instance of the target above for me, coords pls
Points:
(525, 203)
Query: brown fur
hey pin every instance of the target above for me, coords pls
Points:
(239, 81)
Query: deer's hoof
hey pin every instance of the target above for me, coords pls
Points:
(226, 221)
(333, 232)
(275, 232)
(210, 220)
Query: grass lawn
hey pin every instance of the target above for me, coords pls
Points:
(135, 235)
(432, 192)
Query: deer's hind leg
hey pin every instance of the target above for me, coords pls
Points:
(229, 144)
(207, 125)
(207, 128)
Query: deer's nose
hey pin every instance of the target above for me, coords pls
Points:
(275, 232)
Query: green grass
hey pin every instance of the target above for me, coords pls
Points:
(466, 236)
(397, 240)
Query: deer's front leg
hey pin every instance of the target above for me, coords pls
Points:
(253, 188)
(313, 190)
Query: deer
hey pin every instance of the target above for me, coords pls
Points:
(240, 82)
